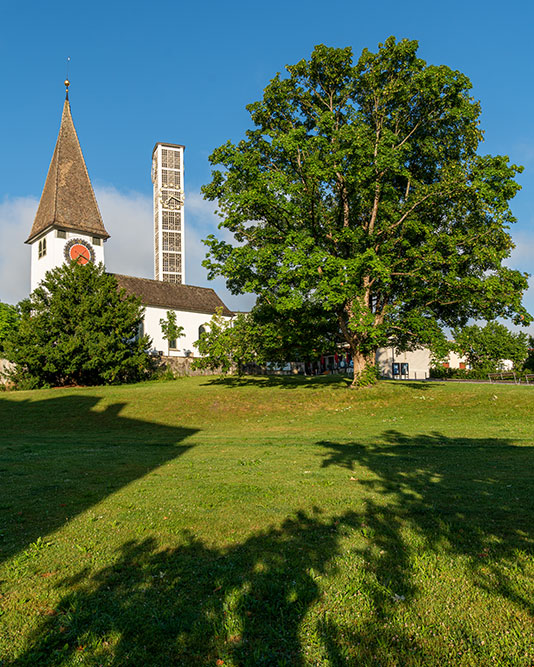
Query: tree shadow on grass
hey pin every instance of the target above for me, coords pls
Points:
(281, 381)
(195, 604)
(420, 385)
(465, 499)
(61, 455)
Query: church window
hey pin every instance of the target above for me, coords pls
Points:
(170, 158)
(170, 179)
(202, 329)
(172, 262)
(172, 278)
(97, 241)
(171, 241)
(140, 330)
(61, 234)
(42, 247)
(172, 344)
(172, 220)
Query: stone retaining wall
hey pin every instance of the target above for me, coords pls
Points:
(5, 366)
(182, 366)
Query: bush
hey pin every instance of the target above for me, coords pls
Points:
(440, 373)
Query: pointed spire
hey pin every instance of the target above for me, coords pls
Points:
(68, 200)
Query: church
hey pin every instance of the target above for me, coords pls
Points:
(68, 226)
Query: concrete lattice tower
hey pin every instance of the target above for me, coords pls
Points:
(168, 179)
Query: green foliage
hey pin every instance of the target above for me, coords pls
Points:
(77, 327)
(486, 347)
(9, 320)
(360, 191)
(369, 375)
(295, 335)
(529, 362)
(170, 329)
(264, 335)
(441, 373)
(224, 344)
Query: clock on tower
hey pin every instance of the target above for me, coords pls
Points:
(79, 250)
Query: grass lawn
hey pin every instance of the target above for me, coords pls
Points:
(267, 522)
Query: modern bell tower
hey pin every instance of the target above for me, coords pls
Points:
(168, 180)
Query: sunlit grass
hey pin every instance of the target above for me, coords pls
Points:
(267, 522)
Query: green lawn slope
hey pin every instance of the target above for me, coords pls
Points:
(259, 521)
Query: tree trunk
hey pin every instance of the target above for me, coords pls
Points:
(363, 365)
(363, 358)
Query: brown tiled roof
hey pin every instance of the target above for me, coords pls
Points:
(68, 200)
(172, 296)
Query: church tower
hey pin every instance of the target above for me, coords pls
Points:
(168, 180)
(68, 225)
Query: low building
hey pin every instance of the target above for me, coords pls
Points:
(411, 365)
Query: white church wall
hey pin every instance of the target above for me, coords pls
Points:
(189, 321)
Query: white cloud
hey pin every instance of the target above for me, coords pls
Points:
(522, 256)
(200, 221)
(16, 218)
(128, 218)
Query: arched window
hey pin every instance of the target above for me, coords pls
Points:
(140, 330)
(202, 329)
(42, 248)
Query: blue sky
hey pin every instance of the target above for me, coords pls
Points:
(183, 72)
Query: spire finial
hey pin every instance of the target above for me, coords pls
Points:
(67, 82)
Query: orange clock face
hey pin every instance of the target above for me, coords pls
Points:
(80, 251)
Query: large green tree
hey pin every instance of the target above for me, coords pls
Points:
(78, 327)
(360, 188)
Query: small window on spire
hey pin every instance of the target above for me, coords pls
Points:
(42, 247)
(97, 240)
(61, 234)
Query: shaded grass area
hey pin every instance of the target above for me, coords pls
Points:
(238, 523)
